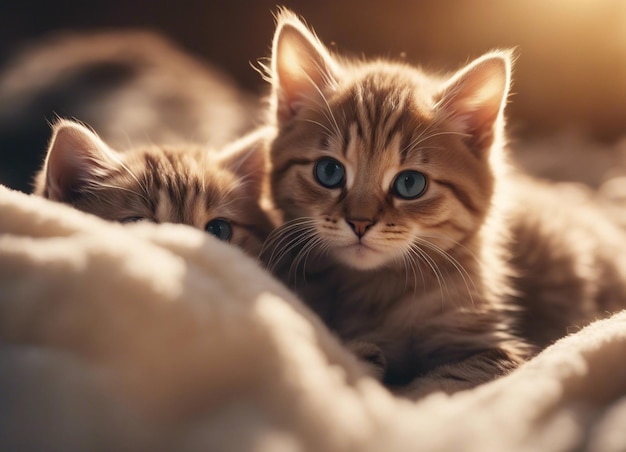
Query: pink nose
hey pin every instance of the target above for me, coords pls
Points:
(360, 226)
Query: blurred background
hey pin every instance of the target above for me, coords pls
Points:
(569, 93)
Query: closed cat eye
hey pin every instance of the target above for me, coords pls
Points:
(133, 219)
(220, 228)
(329, 172)
(409, 184)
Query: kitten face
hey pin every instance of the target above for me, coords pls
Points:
(378, 160)
(215, 192)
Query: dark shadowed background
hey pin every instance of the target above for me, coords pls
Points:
(571, 55)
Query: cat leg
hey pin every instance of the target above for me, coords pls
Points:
(479, 368)
(370, 355)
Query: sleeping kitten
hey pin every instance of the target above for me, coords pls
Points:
(214, 191)
(405, 229)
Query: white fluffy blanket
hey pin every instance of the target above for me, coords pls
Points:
(155, 338)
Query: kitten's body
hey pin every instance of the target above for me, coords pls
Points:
(215, 191)
(453, 284)
(569, 260)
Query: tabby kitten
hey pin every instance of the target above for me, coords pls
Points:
(214, 191)
(405, 229)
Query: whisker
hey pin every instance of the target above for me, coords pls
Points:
(465, 276)
(420, 139)
(328, 109)
(303, 256)
(455, 243)
(329, 132)
(424, 257)
(286, 238)
(420, 254)
(116, 187)
(141, 185)
(414, 264)
(288, 228)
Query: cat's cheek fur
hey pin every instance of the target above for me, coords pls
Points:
(247, 242)
(305, 197)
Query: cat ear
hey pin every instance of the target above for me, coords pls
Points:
(246, 158)
(76, 156)
(302, 69)
(473, 100)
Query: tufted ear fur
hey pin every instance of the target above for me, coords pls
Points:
(76, 157)
(473, 100)
(302, 69)
(246, 158)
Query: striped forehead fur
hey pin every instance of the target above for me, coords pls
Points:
(180, 175)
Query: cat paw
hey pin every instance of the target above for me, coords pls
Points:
(371, 356)
(423, 386)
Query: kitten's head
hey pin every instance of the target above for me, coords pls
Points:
(214, 191)
(375, 159)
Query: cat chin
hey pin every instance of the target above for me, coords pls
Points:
(360, 257)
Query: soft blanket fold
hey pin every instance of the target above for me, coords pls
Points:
(158, 337)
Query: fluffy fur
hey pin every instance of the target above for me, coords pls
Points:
(214, 191)
(451, 286)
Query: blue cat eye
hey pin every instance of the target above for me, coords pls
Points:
(220, 228)
(329, 172)
(409, 184)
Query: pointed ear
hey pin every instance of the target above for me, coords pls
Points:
(76, 157)
(246, 158)
(473, 100)
(302, 69)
